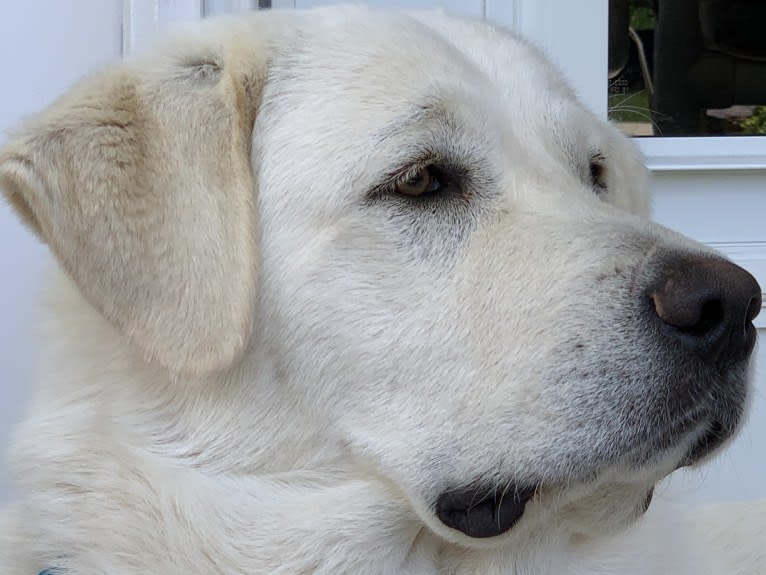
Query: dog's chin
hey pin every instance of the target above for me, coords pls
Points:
(686, 446)
(526, 513)
(708, 443)
(481, 515)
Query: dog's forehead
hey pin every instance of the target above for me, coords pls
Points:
(371, 62)
(371, 67)
(516, 67)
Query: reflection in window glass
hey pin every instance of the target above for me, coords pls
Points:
(688, 67)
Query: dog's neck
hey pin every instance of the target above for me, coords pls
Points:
(218, 471)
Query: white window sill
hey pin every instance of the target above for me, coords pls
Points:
(717, 153)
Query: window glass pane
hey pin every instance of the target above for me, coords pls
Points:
(688, 67)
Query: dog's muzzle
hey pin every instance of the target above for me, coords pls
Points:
(698, 310)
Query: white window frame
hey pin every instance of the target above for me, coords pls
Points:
(714, 153)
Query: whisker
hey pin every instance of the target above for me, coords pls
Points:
(641, 112)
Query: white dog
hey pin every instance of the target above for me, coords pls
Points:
(350, 292)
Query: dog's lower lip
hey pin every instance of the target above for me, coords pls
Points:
(647, 501)
(482, 512)
(709, 442)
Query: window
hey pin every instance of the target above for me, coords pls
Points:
(688, 67)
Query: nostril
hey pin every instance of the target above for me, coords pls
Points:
(691, 313)
(710, 317)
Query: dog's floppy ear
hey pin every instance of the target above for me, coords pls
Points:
(139, 179)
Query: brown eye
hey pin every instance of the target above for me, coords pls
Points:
(418, 182)
(598, 173)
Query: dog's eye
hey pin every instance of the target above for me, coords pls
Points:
(419, 182)
(598, 173)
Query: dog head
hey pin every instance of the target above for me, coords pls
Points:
(438, 247)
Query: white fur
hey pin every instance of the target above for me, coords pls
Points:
(384, 356)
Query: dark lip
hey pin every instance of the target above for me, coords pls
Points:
(482, 511)
(714, 438)
(653, 447)
(708, 431)
(711, 418)
(702, 430)
(751, 336)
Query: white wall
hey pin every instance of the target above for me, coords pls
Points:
(45, 46)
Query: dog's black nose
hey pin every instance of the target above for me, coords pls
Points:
(708, 305)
